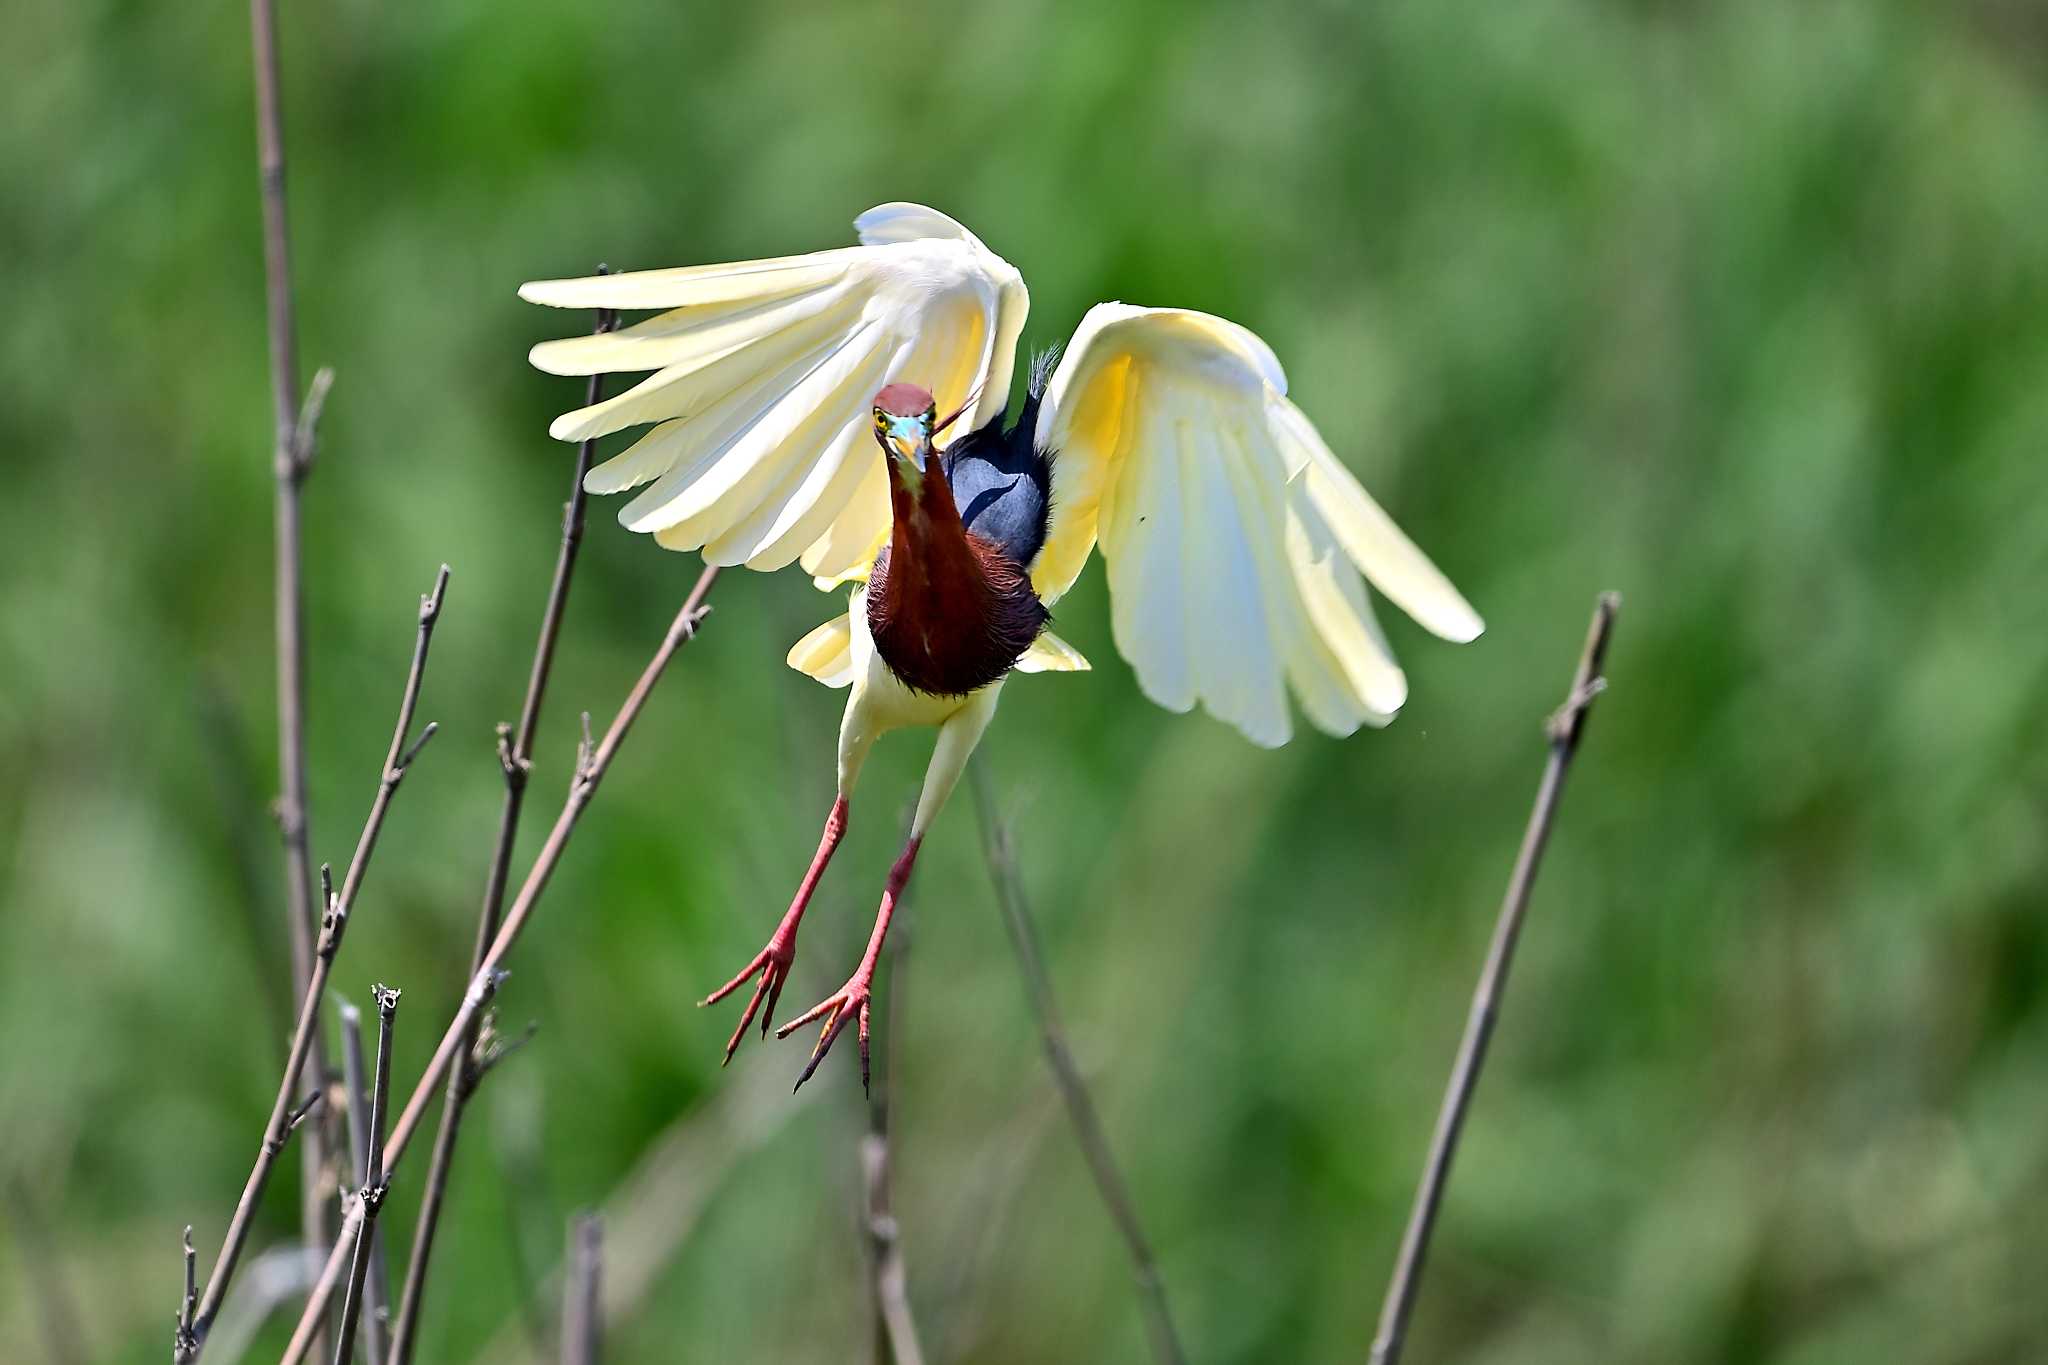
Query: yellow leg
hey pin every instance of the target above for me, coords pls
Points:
(859, 728)
(957, 740)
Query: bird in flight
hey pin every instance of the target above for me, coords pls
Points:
(794, 412)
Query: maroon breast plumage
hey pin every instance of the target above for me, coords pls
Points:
(949, 611)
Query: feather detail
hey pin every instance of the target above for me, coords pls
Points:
(1233, 539)
(1050, 654)
(759, 378)
(826, 653)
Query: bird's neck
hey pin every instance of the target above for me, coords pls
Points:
(927, 533)
(949, 612)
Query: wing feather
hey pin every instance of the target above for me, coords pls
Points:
(667, 447)
(690, 285)
(849, 546)
(1233, 539)
(759, 378)
(699, 332)
(752, 429)
(1240, 679)
(1050, 654)
(813, 488)
(683, 389)
(1374, 543)
(1146, 602)
(826, 653)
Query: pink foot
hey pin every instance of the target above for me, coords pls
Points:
(851, 1002)
(772, 964)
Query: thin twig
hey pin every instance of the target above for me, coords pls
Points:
(284, 1120)
(1565, 728)
(582, 1311)
(515, 758)
(492, 1046)
(333, 923)
(370, 1195)
(355, 1075)
(896, 1330)
(1109, 1182)
(190, 1303)
(288, 464)
(680, 632)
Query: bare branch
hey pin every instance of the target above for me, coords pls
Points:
(897, 1338)
(191, 1299)
(370, 1196)
(1565, 728)
(1109, 1181)
(582, 1312)
(293, 433)
(455, 1042)
(515, 758)
(356, 1082)
(284, 1117)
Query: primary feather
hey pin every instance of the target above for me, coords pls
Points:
(761, 377)
(1221, 516)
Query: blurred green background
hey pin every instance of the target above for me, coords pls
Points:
(1741, 309)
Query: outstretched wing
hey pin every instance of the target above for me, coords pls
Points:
(1232, 536)
(764, 372)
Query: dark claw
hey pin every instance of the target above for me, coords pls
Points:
(772, 971)
(824, 1046)
(848, 1005)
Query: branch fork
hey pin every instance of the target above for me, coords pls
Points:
(515, 765)
(458, 1038)
(296, 457)
(333, 923)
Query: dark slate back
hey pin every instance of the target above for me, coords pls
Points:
(1001, 484)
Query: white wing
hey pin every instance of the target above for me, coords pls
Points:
(764, 372)
(1232, 536)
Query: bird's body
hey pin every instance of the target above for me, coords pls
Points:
(950, 603)
(1002, 480)
(1234, 538)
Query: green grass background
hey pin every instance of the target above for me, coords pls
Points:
(1741, 309)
